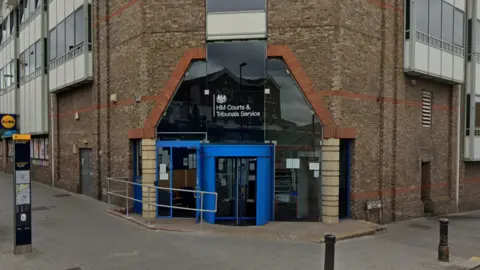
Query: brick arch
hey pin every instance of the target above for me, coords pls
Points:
(314, 97)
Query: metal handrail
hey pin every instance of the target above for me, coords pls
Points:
(476, 132)
(127, 197)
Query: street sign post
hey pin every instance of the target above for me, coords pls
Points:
(22, 222)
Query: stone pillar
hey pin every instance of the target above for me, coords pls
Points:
(148, 177)
(330, 180)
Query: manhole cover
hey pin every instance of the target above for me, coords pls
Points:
(62, 195)
(39, 208)
(420, 226)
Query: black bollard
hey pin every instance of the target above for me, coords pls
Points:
(330, 241)
(443, 249)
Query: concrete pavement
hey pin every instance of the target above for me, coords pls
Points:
(74, 231)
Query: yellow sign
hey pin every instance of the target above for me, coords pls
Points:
(8, 122)
(22, 137)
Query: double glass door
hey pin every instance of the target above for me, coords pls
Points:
(236, 187)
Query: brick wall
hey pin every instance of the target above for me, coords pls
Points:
(352, 49)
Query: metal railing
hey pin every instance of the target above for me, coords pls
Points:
(476, 132)
(124, 193)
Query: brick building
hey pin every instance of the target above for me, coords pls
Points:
(360, 100)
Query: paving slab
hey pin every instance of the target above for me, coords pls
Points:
(71, 230)
(296, 231)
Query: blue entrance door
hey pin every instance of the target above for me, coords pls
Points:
(242, 177)
(179, 166)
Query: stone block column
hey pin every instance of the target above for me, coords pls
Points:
(149, 195)
(330, 180)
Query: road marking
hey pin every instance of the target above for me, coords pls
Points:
(475, 258)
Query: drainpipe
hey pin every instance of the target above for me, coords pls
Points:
(52, 132)
(459, 134)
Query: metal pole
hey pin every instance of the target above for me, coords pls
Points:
(108, 194)
(330, 241)
(201, 211)
(148, 215)
(443, 249)
(126, 198)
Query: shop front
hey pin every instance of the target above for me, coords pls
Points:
(240, 125)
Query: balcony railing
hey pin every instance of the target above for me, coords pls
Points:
(440, 44)
(476, 132)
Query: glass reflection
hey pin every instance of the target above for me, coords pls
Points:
(235, 5)
(292, 123)
(236, 77)
(189, 111)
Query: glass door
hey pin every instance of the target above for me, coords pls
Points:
(178, 174)
(236, 187)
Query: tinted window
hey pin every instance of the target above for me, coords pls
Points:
(12, 72)
(32, 59)
(421, 17)
(447, 23)
(189, 110)
(233, 110)
(435, 19)
(478, 37)
(27, 62)
(459, 28)
(79, 27)
(21, 68)
(70, 33)
(26, 9)
(21, 13)
(61, 39)
(290, 122)
(236, 73)
(38, 55)
(234, 5)
(53, 44)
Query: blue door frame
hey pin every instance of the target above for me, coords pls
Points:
(206, 175)
(264, 177)
(180, 144)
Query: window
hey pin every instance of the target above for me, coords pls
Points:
(478, 37)
(32, 7)
(447, 23)
(79, 27)
(70, 33)
(407, 21)
(26, 10)
(4, 30)
(435, 19)
(22, 65)
(89, 27)
(27, 62)
(426, 109)
(2, 79)
(21, 13)
(39, 151)
(53, 44)
(38, 55)
(459, 28)
(32, 59)
(235, 5)
(12, 72)
(422, 16)
(61, 39)
(37, 3)
(12, 24)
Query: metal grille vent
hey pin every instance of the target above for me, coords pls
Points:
(426, 109)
